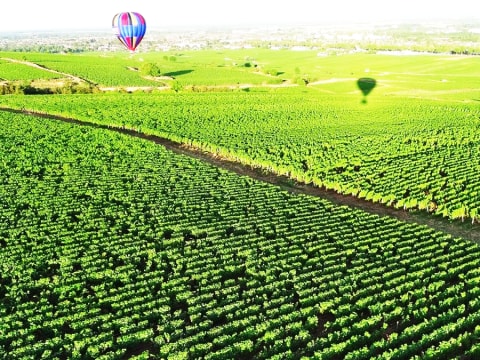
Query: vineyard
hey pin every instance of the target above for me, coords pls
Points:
(113, 247)
(114, 70)
(407, 153)
(110, 239)
(15, 71)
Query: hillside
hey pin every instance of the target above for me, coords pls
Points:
(238, 243)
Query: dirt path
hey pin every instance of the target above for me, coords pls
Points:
(166, 87)
(161, 78)
(32, 64)
(455, 228)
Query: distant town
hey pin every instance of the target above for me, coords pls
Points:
(454, 38)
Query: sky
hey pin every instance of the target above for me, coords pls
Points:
(28, 15)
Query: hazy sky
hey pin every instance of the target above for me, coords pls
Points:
(25, 15)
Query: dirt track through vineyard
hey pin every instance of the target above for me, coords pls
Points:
(456, 228)
(41, 67)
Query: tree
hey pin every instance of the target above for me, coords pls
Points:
(176, 86)
(150, 69)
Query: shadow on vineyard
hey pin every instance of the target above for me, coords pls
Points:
(178, 73)
(366, 85)
(453, 227)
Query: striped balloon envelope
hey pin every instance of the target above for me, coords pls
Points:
(129, 27)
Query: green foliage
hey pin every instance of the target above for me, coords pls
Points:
(93, 68)
(15, 70)
(138, 250)
(113, 247)
(176, 86)
(300, 81)
(386, 151)
(271, 72)
(150, 69)
(63, 87)
(170, 58)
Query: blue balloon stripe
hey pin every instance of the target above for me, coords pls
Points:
(129, 28)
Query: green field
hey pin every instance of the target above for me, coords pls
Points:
(113, 247)
(412, 143)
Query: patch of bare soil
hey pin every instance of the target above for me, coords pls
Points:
(453, 227)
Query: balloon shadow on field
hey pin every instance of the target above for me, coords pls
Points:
(366, 85)
(178, 73)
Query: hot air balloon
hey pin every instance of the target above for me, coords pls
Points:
(129, 28)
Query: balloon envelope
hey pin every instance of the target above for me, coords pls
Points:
(366, 85)
(129, 28)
